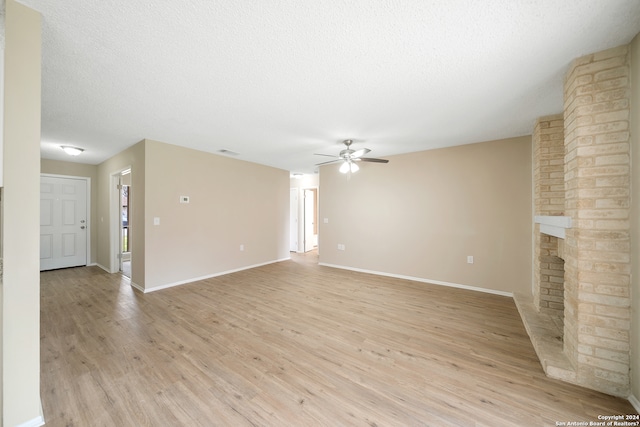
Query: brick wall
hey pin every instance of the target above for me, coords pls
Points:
(551, 277)
(548, 172)
(548, 142)
(597, 198)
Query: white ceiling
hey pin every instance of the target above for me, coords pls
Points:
(277, 81)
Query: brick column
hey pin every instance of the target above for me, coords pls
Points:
(597, 198)
(548, 178)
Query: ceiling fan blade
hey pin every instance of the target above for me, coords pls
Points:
(369, 159)
(327, 155)
(330, 161)
(359, 153)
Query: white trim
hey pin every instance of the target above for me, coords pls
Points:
(34, 422)
(295, 192)
(209, 276)
(103, 267)
(420, 279)
(553, 225)
(135, 286)
(115, 218)
(113, 226)
(554, 221)
(302, 226)
(635, 402)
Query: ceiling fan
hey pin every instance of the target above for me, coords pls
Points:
(349, 157)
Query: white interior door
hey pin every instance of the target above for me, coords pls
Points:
(63, 222)
(309, 209)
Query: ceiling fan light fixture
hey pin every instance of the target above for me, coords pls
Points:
(349, 167)
(349, 157)
(72, 151)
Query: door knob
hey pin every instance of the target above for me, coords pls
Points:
(82, 228)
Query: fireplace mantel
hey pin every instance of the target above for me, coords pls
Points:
(553, 225)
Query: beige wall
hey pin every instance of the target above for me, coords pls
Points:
(634, 121)
(21, 216)
(232, 203)
(134, 158)
(80, 170)
(422, 214)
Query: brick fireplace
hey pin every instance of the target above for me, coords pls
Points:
(579, 314)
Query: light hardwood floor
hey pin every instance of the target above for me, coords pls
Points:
(293, 344)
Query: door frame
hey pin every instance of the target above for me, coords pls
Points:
(88, 207)
(294, 208)
(115, 219)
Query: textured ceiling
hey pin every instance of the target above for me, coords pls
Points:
(277, 81)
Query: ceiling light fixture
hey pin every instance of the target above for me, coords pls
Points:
(349, 157)
(72, 151)
(349, 166)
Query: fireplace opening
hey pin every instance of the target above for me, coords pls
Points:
(551, 279)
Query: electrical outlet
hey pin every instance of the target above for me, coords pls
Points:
(470, 259)
(241, 248)
(341, 247)
(156, 221)
(184, 199)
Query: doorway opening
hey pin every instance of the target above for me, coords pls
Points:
(304, 213)
(310, 219)
(125, 236)
(121, 223)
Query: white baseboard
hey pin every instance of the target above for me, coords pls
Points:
(420, 279)
(35, 422)
(635, 402)
(136, 286)
(103, 267)
(209, 276)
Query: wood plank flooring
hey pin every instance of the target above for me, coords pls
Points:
(293, 344)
